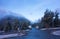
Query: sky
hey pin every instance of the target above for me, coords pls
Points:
(30, 9)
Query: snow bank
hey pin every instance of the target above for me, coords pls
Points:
(56, 33)
(10, 35)
(50, 28)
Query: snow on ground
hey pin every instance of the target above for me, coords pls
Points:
(56, 33)
(1, 31)
(50, 28)
(10, 35)
(20, 34)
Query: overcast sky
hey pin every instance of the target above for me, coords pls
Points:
(31, 9)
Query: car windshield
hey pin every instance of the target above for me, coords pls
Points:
(29, 19)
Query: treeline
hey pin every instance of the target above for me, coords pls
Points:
(12, 23)
(50, 19)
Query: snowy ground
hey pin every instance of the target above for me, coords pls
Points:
(50, 28)
(56, 33)
(20, 34)
(10, 35)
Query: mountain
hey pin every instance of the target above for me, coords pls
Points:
(11, 15)
(4, 13)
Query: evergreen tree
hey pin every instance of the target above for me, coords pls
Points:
(48, 18)
(56, 20)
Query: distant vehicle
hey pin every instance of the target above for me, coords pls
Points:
(30, 27)
(37, 27)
